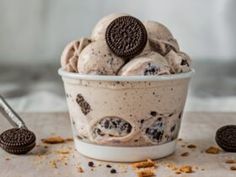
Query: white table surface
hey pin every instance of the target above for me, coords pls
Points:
(197, 128)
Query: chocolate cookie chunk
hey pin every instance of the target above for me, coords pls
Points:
(112, 127)
(17, 140)
(151, 70)
(126, 36)
(226, 138)
(155, 131)
(84, 105)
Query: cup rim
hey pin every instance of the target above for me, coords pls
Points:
(71, 75)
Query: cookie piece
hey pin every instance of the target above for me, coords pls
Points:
(155, 131)
(53, 140)
(144, 164)
(112, 127)
(126, 36)
(84, 105)
(226, 138)
(17, 140)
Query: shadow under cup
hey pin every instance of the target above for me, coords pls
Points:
(125, 118)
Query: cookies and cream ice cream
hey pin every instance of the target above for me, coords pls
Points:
(125, 112)
(96, 58)
(111, 49)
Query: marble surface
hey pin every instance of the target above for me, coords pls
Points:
(197, 128)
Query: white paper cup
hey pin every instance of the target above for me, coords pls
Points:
(125, 118)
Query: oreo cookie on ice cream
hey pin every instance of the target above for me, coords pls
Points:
(126, 36)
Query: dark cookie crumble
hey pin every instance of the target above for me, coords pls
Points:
(108, 166)
(151, 70)
(153, 113)
(90, 164)
(172, 128)
(84, 105)
(113, 170)
(180, 114)
(184, 62)
(156, 131)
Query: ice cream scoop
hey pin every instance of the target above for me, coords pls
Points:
(99, 30)
(97, 58)
(179, 62)
(70, 55)
(161, 39)
(151, 64)
(157, 30)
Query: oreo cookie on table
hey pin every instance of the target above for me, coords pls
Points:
(126, 36)
(226, 138)
(17, 140)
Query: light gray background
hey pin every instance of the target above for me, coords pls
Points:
(33, 34)
(37, 30)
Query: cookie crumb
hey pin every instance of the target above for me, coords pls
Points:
(186, 169)
(80, 169)
(144, 164)
(185, 154)
(212, 150)
(108, 166)
(113, 170)
(90, 164)
(145, 172)
(192, 146)
(172, 166)
(233, 168)
(53, 140)
(62, 151)
(7, 158)
(69, 139)
(230, 161)
(53, 164)
(180, 139)
(84, 105)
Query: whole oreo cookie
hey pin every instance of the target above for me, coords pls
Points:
(226, 138)
(17, 140)
(126, 36)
